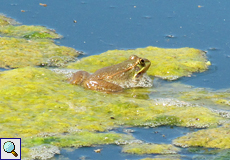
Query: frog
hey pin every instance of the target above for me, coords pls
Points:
(127, 74)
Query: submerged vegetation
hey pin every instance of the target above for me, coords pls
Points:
(148, 148)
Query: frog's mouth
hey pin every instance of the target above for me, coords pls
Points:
(142, 69)
(139, 74)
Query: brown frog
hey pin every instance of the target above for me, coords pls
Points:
(128, 74)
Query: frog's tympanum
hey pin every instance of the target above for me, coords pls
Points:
(128, 74)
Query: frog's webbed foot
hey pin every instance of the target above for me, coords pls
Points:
(79, 77)
(102, 85)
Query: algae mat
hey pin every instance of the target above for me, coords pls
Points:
(19, 52)
(168, 64)
(209, 138)
(31, 46)
(148, 148)
(9, 27)
(215, 99)
(39, 106)
(5, 21)
(29, 32)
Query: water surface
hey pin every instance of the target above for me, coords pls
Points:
(105, 25)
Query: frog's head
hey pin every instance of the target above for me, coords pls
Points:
(131, 69)
(140, 65)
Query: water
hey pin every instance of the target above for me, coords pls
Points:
(106, 25)
(163, 134)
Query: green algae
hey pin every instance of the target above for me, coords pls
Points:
(164, 157)
(223, 155)
(29, 32)
(41, 107)
(78, 139)
(150, 148)
(29, 46)
(10, 27)
(209, 138)
(219, 154)
(216, 99)
(5, 21)
(168, 64)
(50, 96)
(30, 106)
(16, 52)
(222, 101)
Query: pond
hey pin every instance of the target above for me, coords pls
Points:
(97, 26)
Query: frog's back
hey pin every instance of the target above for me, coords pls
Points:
(114, 72)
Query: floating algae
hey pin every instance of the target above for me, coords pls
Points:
(30, 46)
(44, 152)
(223, 155)
(150, 148)
(209, 138)
(215, 99)
(168, 64)
(10, 27)
(38, 105)
(18, 52)
(29, 32)
(164, 157)
(4, 21)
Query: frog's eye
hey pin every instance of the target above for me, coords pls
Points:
(142, 62)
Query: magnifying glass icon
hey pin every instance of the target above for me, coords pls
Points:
(9, 147)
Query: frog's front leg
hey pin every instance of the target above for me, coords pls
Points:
(102, 85)
(79, 77)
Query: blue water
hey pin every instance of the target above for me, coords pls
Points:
(123, 24)
(163, 134)
(105, 24)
